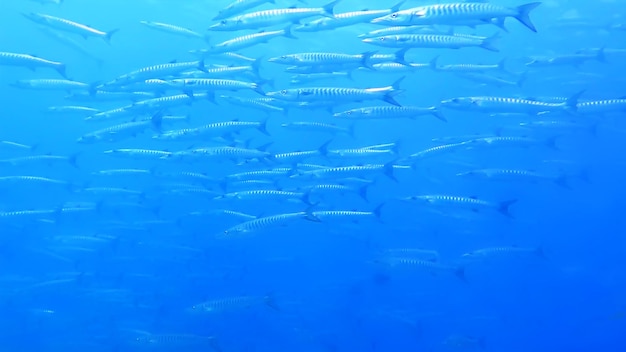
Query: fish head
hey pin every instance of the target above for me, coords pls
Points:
(354, 113)
(284, 59)
(385, 40)
(33, 17)
(395, 19)
(285, 94)
(459, 103)
(313, 26)
(225, 25)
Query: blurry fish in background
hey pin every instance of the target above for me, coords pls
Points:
(31, 62)
(174, 29)
(66, 25)
(70, 43)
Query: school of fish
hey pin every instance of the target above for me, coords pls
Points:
(184, 178)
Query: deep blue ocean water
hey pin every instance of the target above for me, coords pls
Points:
(105, 251)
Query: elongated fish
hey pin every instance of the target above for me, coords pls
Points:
(434, 41)
(458, 13)
(63, 24)
(389, 112)
(510, 105)
(249, 227)
(239, 6)
(31, 62)
(335, 94)
(272, 17)
(233, 303)
(55, 84)
(250, 40)
(346, 19)
(472, 203)
(511, 251)
(174, 29)
(321, 59)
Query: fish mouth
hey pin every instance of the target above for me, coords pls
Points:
(367, 40)
(378, 20)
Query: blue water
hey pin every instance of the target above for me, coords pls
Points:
(121, 269)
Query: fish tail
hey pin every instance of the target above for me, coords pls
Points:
(201, 66)
(329, 9)
(288, 33)
(432, 64)
(523, 12)
(73, 160)
(400, 56)
(61, 70)
(323, 149)
(438, 114)
(366, 61)
(157, 121)
(571, 105)
(378, 210)
(109, 34)
(489, 43)
(503, 207)
(363, 192)
(562, 181)
(396, 7)
(388, 170)
(460, 273)
(499, 22)
(395, 90)
(256, 67)
(263, 127)
(270, 301)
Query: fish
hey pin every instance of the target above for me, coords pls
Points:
(434, 41)
(336, 94)
(250, 40)
(390, 112)
(233, 303)
(174, 29)
(458, 13)
(272, 17)
(66, 25)
(510, 105)
(473, 203)
(31, 62)
(346, 19)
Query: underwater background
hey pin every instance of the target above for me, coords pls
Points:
(248, 212)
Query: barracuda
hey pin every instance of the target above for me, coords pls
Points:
(65, 25)
(335, 94)
(31, 62)
(272, 17)
(434, 41)
(458, 13)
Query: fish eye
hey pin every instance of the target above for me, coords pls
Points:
(394, 15)
(349, 113)
(382, 39)
(283, 92)
(456, 100)
(223, 22)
